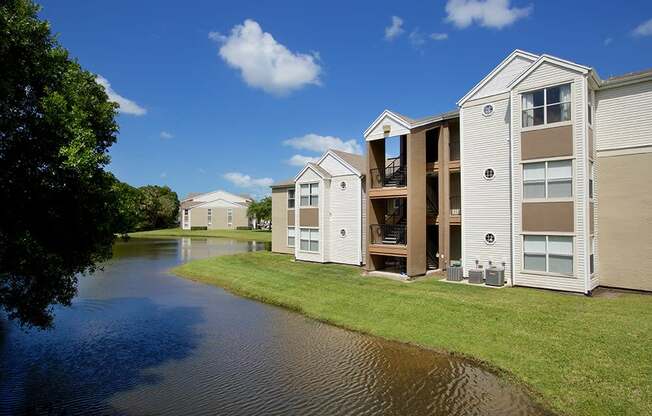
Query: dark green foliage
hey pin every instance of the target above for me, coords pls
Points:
(58, 208)
(262, 210)
(159, 207)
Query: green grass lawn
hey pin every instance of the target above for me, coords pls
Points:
(584, 356)
(249, 235)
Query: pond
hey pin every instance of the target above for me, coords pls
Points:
(139, 341)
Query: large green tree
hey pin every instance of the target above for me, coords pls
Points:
(58, 209)
(159, 207)
(261, 210)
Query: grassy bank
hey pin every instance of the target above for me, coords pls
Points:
(586, 356)
(249, 235)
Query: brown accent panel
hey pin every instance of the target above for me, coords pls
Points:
(548, 216)
(280, 221)
(309, 217)
(416, 203)
(550, 142)
(592, 217)
(375, 159)
(444, 197)
(290, 217)
(625, 221)
(388, 250)
(591, 143)
(379, 193)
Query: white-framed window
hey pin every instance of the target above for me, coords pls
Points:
(229, 217)
(548, 180)
(291, 198)
(309, 194)
(489, 238)
(591, 179)
(290, 236)
(546, 106)
(589, 109)
(309, 239)
(209, 216)
(489, 174)
(487, 110)
(548, 253)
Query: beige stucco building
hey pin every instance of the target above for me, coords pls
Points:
(214, 210)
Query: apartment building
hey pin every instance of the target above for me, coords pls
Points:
(214, 210)
(318, 215)
(542, 170)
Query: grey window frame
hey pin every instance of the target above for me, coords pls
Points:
(546, 105)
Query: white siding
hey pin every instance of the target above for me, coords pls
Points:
(344, 213)
(308, 176)
(334, 166)
(503, 78)
(547, 75)
(485, 203)
(623, 116)
(378, 131)
(363, 222)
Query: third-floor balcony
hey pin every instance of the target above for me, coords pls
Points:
(393, 175)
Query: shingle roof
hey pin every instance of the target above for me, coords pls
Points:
(283, 184)
(630, 76)
(355, 160)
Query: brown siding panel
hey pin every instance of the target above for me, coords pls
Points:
(416, 204)
(548, 217)
(280, 221)
(550, 142)
(309, 217)
(290, 217)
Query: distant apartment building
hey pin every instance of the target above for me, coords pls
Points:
(318, 215)
(542, 170)
(215, 211)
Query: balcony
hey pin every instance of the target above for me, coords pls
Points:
(388, 239)
(393, 175)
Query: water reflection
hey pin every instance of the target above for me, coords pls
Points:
(139, 341)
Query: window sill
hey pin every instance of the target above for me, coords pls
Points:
(544, 200)
(547, 126)
(308, 252)
(548, 274)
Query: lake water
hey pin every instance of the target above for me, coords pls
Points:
(138, 341)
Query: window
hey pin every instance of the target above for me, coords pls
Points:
(589, 110)
(549, 105)
(548, 180)
(489, 173)
(548, 253)
(489, 238)
(291, 198)
(342, 233)
(229, 217)
(488, 110)
(290, 236)
(310, 195)
(343, 185)
(591, 178)
(309, 239)
(209, 216)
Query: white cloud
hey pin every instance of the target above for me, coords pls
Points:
(166, 135)
(164, 175)
(395, 29)
(417, 39)
(608, 41)
(439, 36)
(263, 62)
(644, 29)
(488, 13)
(126, 105)
(245, 181)
(317, 143)
(301, 160)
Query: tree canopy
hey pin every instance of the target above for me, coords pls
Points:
(262, 209)
(58, 213)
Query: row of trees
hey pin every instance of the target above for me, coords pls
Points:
(262, 211)
(146, 208)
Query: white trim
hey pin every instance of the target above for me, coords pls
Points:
(622, 151)
(462, 239)
(516, 53)
(551, 60)
(231, 203)
(310, 166)
(386, 113)
(342, 161)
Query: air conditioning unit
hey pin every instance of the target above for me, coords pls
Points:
(495, 276)
(476, 276)
(454, 272)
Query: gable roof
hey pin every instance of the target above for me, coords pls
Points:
(283, 184)
(629, 78)
(219, 201)
(411, 123)
(213, 195)
(321, 172)
(552, 60)
(398, 118)
(517, 53)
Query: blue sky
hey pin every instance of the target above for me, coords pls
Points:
(227, 94)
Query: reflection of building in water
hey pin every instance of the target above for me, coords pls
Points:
(194, 247)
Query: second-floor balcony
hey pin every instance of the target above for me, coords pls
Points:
(394, 174)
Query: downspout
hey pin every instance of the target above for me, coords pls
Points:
(511, 196)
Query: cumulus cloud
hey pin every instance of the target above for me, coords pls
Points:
(166, 135)
(263, 62)
(608, 41)
(417, 39)
(495, 14)
(317, 143)
(395, 29)
(242, 180)
(126, 105)
(439, 36)
(301, 160)
(644, 29)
